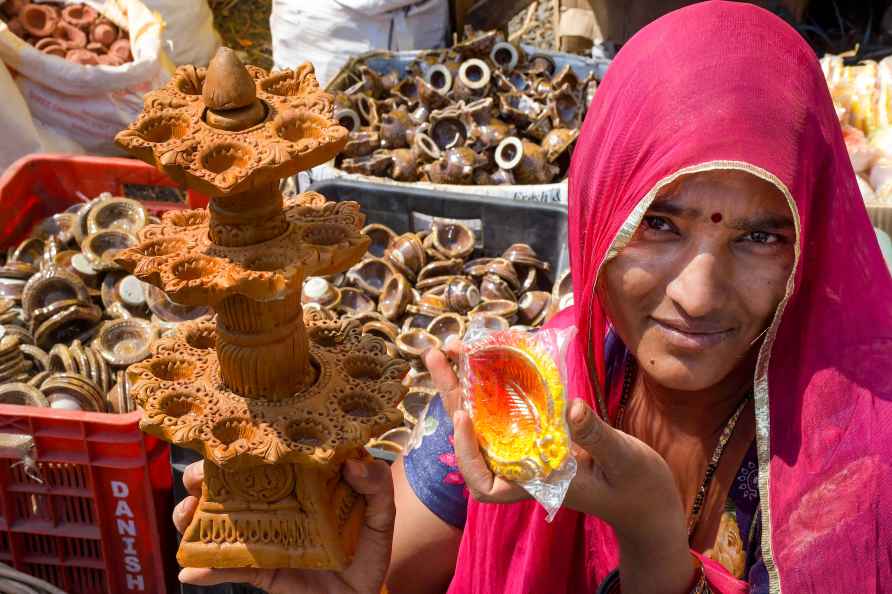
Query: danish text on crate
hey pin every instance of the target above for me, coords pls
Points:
(126, 525)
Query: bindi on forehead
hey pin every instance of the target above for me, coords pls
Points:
(716, 217)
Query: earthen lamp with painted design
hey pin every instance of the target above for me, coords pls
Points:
(274, 402)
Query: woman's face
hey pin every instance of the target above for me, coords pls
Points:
(700, 281)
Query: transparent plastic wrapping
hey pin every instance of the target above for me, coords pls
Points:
(514, 391)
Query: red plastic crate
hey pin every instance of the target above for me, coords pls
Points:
(96, 520)
(41, 185)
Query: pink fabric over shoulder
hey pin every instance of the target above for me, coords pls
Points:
(726, 81)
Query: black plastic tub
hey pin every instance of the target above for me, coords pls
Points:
(502, 222)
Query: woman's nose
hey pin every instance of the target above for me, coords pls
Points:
(698, 288)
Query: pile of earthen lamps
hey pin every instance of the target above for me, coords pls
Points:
(75, 32)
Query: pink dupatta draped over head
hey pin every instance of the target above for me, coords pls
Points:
(726, 85)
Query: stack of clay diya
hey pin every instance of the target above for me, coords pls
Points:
(417, 290)
(275, 400)
(484, 112)
(75, 32)
(72, 318)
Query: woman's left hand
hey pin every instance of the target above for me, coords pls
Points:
(618, 479)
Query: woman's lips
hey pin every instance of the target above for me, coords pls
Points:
(692, 339)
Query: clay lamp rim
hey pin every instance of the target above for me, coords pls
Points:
(348, 118)
(474, 74)
(414, 342)
(384, 328)
(549, 67)
(354, 302)
(458, 243)
(500, 49)
(131, 329)
(454, 326)
(367, 271)
(46, 23)
(509, 153)
(497, 307)
(395, 297)
(22, 394)
(439, 73)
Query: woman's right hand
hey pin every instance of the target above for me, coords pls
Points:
(365, 574)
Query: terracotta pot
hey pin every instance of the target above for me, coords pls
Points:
(39, 20)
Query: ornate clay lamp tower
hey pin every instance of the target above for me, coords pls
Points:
(274, 404)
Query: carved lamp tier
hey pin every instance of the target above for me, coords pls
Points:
(274, 404)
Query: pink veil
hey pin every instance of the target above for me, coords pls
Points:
(726, 85)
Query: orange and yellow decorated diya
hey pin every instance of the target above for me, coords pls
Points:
(516, 400)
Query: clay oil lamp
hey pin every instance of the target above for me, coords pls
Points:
(361, 143)
(429, 100)
(275, 398)
(447, 128)
(453, 240)
(566, 107)
(370, 275)
(440, 78)
(493, 287)
(347, 117)
(16, 28)
(354, 302)
(321, 292)
(477, 46)
(407, 91)
(395, 126)
(533, 307)
(22, 394)
(440, 269)
(487, 322)
(566, 76)
(502, 308)
(70, 36)
(461, 295)
(39, 20)
(377, 164)
(81, 16)
(456, 166)
(405, 166)
(102, 247)
(414, 406)
(504, 55)
(446, 326)
(50, 286)
(526, 160)
(121, 50)
(558, 142)
(542, 63)
(103, 32)
(121, 214)
(124, 342)
(424, 148)
(381, 236)
(519, 108)
(406, 254)
(473, 79)
(382, 328)
(487, 130)
(413, 343)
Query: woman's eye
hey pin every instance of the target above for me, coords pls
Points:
(658, 224)
(761, 237)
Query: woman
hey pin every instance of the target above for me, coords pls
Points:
(732, 359)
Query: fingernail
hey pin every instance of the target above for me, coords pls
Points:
(577, 412)
(426, 353)
(451, 340)
(357, 469)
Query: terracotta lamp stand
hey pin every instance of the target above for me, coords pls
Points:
(273, 402)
